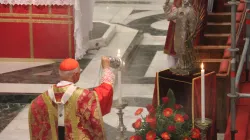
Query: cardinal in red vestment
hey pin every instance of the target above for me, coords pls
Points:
(68, 112)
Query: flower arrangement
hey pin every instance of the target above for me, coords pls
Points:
(165, 122)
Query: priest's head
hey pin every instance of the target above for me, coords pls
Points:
(69, 70)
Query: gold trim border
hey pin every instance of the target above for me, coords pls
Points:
(176, 80)
(35, 15)
(35, 21)
(31, 34)
(158, 90)
(50, 10)
(11, 8)
(29, 60)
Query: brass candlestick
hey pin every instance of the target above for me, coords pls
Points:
(121, 127)
(203, 127)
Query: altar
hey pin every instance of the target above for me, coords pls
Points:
(187, 90)
(47, 29)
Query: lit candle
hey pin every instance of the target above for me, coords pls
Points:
(202, 94)
(119, 87)
(119, 80)
(119, 53)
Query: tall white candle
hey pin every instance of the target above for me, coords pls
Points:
(202, 93)
(119, 78)
(119, 88)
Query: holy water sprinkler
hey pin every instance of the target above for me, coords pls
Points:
(116, 62)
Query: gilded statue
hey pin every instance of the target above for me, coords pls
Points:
(186, 21)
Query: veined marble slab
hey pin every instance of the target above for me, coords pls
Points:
(23, 88)
(133, 17)
(18, 129)
(122, 40)
(160, 25)
(14, 66)
(122, 14)
(105, 13)
(153, 40)
(160, 62)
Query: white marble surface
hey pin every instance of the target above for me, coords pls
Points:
(160, 25)
(148, 39)
(23, 88)
(122, 14)
(160, 62)
(7, 66)
(18, 129)
(139, 15)
(102, 13)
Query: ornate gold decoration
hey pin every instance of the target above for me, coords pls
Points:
(100, 113)
(72, 106)
(52, 115)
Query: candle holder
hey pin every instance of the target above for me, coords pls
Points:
(121, 127)
(203, 127)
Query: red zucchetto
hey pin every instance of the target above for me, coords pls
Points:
(68, 64)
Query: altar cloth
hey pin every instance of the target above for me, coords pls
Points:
(49, 29)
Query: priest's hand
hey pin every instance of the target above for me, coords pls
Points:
(105, 62)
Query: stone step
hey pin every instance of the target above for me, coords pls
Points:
(215, 39)
(219, 17)
(212, 47)
(223, 17)
(219, 28)
(211, 51)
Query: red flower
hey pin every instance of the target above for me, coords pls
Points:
(195, 133)
(186, 117)
(165, 100)
(177, 106)
(151, 135)
(167, 112)
(135, 137)
(179, 118)
(138, 111)
(165, 136)
(137, 124)
(171, 128)
(150, 109)
(187, 138)
(151, 121)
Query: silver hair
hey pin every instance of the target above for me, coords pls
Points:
(68, 74)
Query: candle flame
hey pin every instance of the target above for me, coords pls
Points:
(119, 53)
(202, 66)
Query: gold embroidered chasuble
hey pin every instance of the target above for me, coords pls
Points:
(82, 114)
